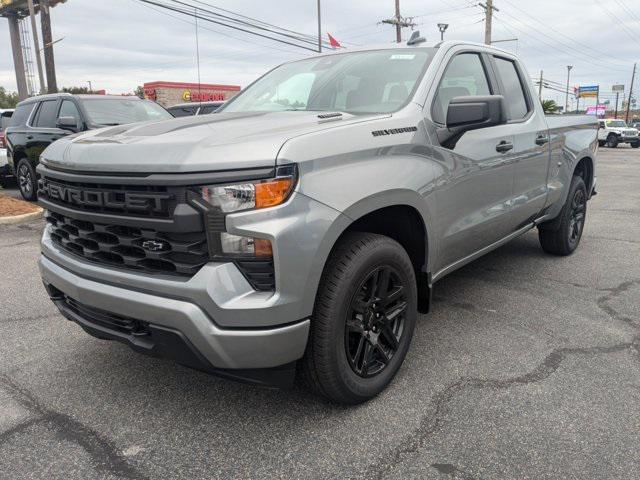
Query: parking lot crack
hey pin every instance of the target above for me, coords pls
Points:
(104, 453)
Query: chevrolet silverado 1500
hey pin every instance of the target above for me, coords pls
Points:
(303, 227)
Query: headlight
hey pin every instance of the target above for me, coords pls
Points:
(256, 194)
(219, 200)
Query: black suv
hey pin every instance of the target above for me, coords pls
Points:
(39, 121)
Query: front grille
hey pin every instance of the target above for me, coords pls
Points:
(131, 248)
(148, 201)
(111, 321)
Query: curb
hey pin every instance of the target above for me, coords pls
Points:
(21, 218)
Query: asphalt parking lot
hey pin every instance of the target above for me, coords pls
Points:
(528, 367)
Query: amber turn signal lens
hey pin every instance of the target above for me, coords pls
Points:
(272, 192)
(262, 247)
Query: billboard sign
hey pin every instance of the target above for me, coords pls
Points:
(617, 88)
(600, 112)
(588, 91)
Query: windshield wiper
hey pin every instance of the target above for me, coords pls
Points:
(109, 124)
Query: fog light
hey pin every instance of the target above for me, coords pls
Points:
(240, 245)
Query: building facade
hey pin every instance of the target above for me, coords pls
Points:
(172, 93)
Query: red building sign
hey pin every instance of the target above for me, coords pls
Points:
(172, 93)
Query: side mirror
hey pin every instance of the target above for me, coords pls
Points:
(67, 123)
(471, 113)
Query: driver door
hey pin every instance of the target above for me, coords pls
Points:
(473, 200)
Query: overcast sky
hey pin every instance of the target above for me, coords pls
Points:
(119, 44)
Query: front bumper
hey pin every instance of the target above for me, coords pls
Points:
(623, 139)
(221, 348)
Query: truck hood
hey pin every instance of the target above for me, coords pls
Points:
(223, 141)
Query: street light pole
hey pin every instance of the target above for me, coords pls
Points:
(566, 100)
(443, 28)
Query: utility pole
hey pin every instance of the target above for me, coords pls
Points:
(540, 87)
(488, 18)
(47, 41)
(399, 22)
(566, 100)
(633, 77)
(319, 30)
(18, 59)
(90, 87)
(36, 46)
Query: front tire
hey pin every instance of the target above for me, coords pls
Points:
(635, 144)
(564, 237)
(363, 320)
(27, 181)
(612, 140)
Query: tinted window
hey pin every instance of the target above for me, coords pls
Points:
(21, 114)
(46, 117)
(513, 91)
(182, 111)
(5, 120)
(116, 111)
(69, 109)
(209, 109)
(463, 77)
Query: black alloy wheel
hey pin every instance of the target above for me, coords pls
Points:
(576, 219)
(375, 322)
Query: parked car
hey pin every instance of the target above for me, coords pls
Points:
(39, 121)
(612, 132)
(5, 118)
(190, 109)
(303, 226)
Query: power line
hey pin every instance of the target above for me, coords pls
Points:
(234, 27)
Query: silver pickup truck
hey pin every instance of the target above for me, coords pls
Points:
(302, 228)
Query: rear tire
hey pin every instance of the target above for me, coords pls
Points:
(27, 181)
(562, 236)
(635, 144)
(601, 143)
(363, 320)
(612, 140)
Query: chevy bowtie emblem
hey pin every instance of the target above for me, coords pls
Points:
(154, 245)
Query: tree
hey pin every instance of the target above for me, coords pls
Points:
(139, 91)
(549, 106)
(8, 99)
(77, 90)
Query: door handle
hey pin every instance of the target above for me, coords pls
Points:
(29, 137)
(504, 146)
(542, 139)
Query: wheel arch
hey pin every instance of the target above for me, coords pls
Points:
(403, 216)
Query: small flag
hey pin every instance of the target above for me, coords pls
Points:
(333, 42)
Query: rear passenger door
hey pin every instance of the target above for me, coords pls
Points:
(530, 156)
(43, 131)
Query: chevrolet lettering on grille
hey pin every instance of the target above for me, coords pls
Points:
(132, 201)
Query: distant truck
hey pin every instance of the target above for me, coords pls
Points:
(302, 228)
(612, 132)
(40, 121)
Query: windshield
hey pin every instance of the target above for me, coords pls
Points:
(110, 111)
(360, 82)
(616, 123)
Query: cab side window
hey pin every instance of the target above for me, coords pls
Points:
(514, 96)
(46, 115)
(69, 109)
(465, 76)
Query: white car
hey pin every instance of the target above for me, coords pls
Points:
(612, 132)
